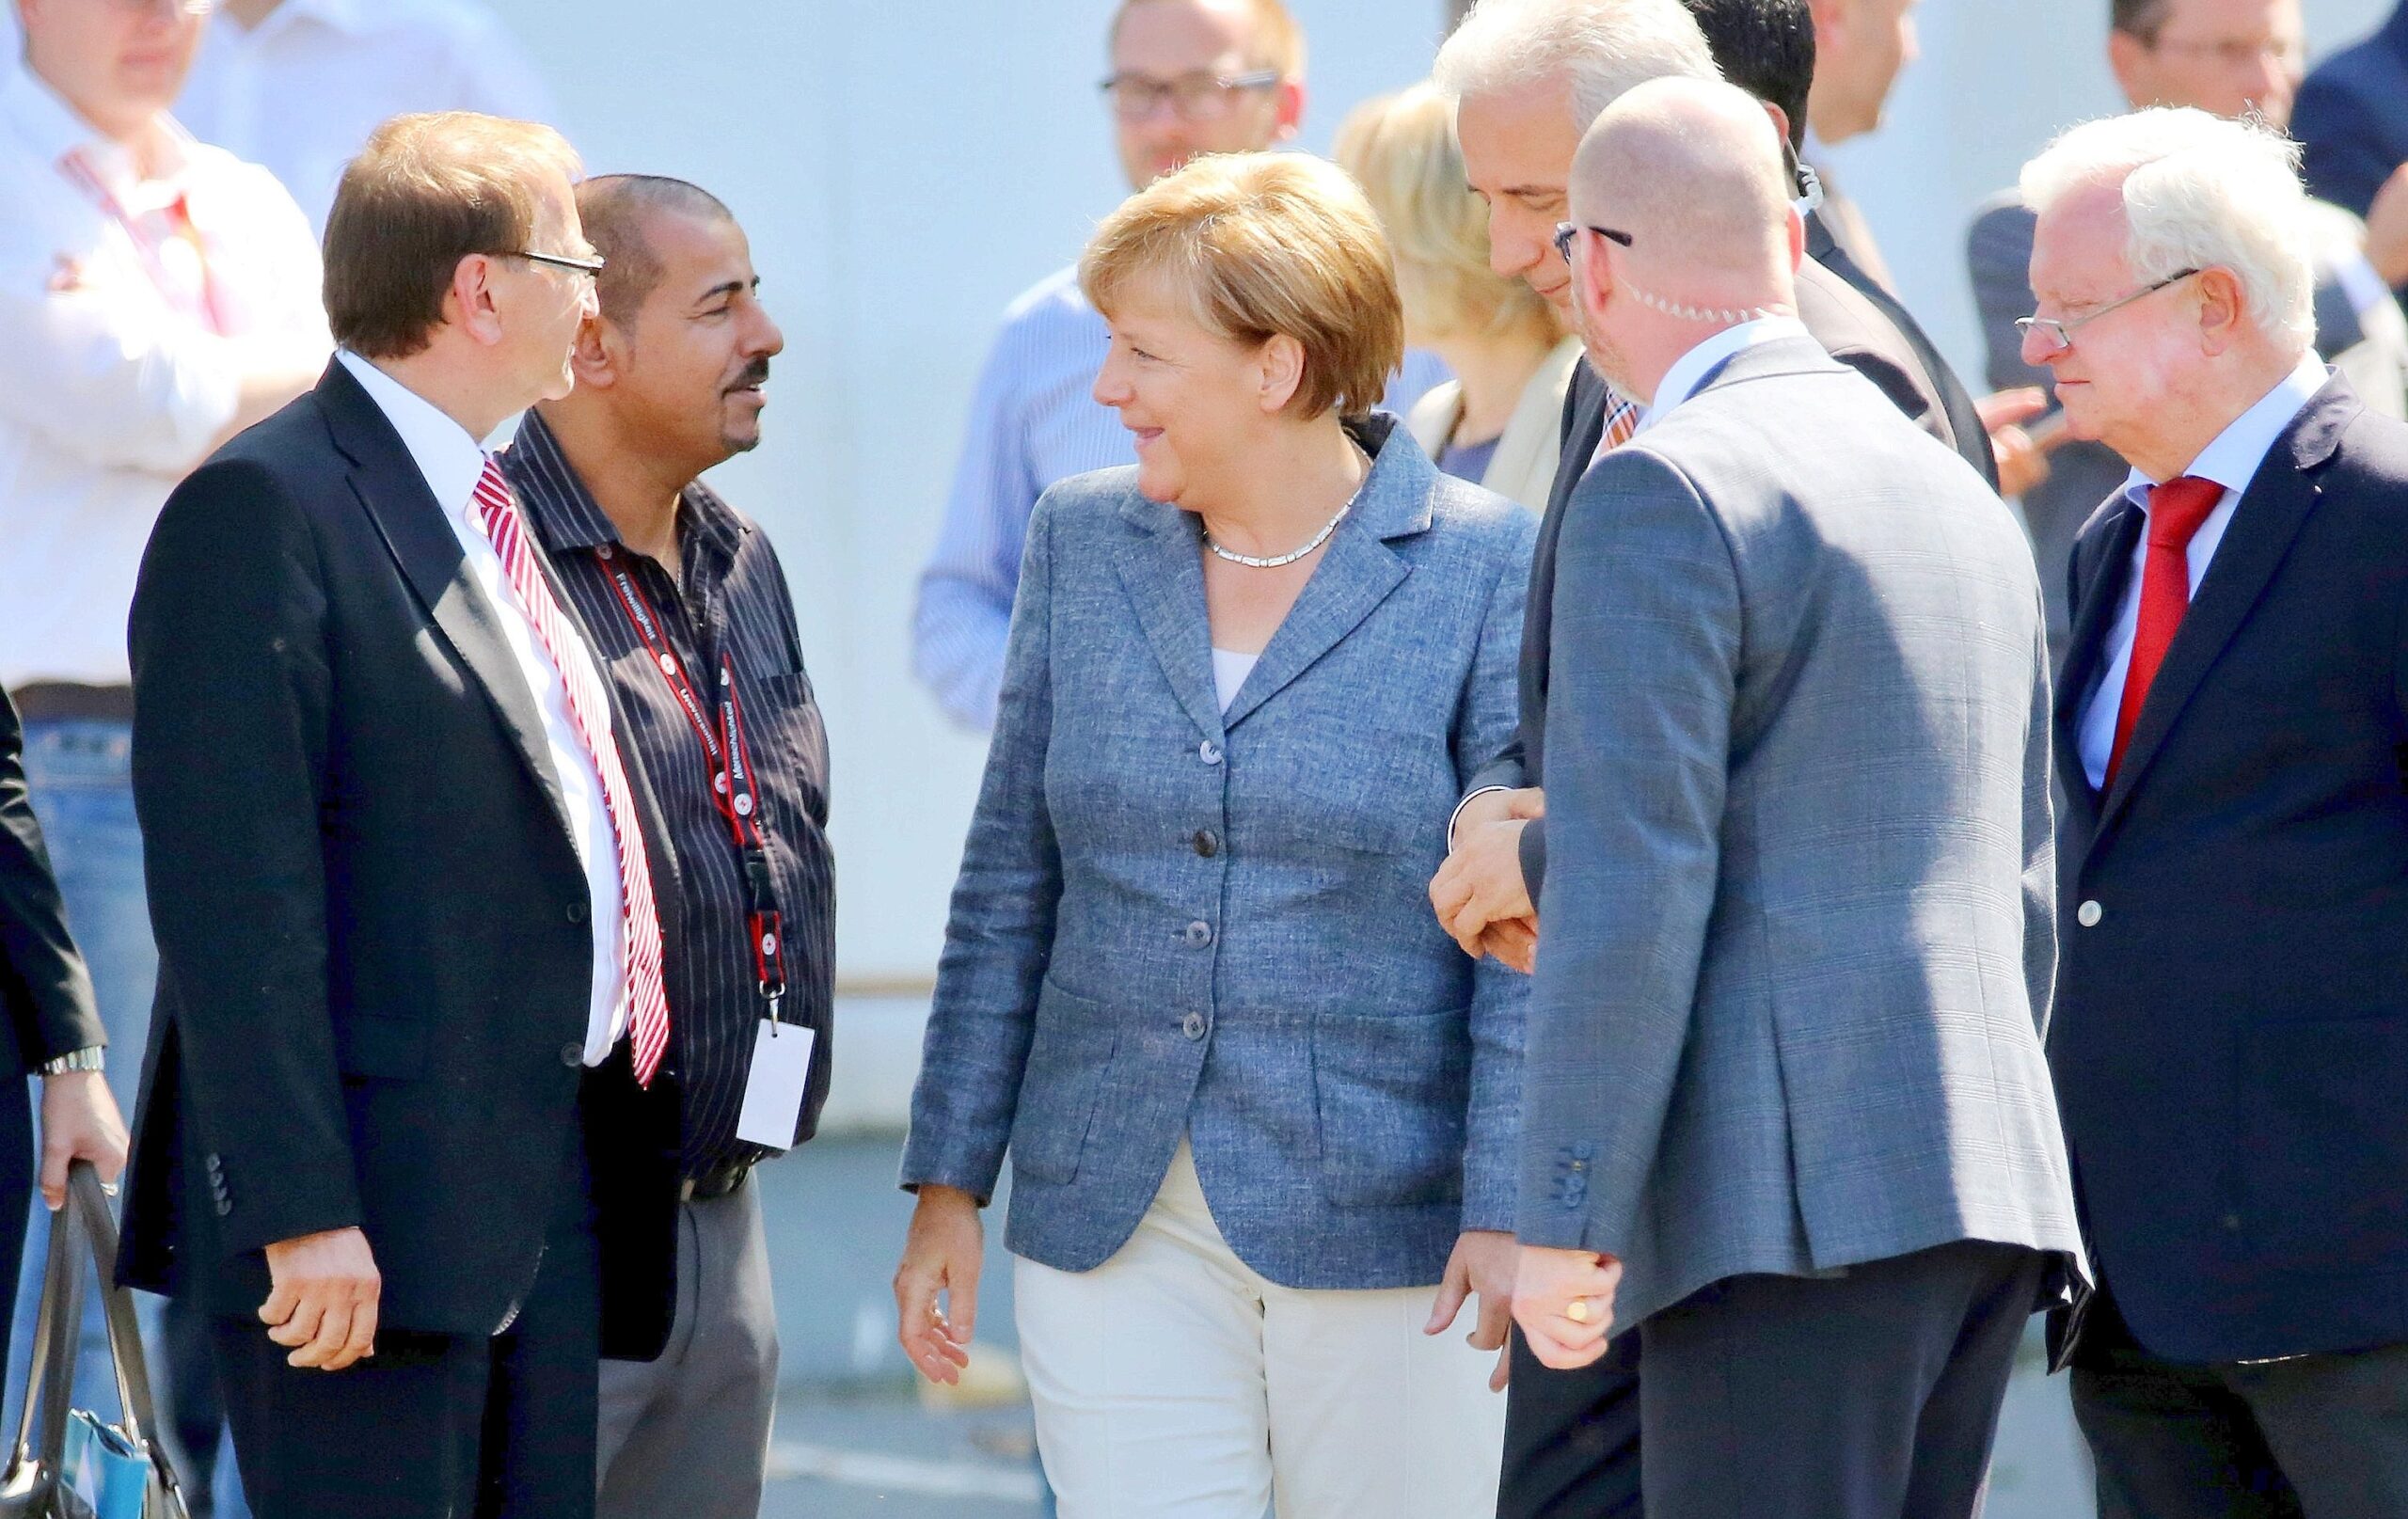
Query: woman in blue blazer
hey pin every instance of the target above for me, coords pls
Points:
(1261, 1110)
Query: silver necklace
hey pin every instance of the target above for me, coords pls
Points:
(1317, 539)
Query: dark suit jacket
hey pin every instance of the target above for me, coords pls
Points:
(1851, 329)
(374, 954)
(43, 985)
(2352, 116)
(2231, 1028)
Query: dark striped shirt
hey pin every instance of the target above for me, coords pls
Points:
(733, 600)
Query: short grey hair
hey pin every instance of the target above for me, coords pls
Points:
(1600, 48)
(2199, 192)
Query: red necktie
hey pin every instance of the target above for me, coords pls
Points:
(2177, 511)
(589, 714)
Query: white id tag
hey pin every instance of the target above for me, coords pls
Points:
(773, 1091)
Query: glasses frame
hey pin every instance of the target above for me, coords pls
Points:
(1161, 94)
(2061, 332)
(559, 260)
(1566, 232)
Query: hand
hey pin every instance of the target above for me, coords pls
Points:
(2021, 463)
(322, 1303)
(942, 1253)
(1515, 941)
(1483, 1262)
(1481, 879)
(2387, 229)
(1547, 1285)
(79, 1122)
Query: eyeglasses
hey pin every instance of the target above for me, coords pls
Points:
(558, 260)
(173, 7)
(1194, 97)
(2235, 52)
(2058, 335)
(1566, 232)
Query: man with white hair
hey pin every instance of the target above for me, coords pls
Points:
(2230, 1023)
(1784, 1114)
(1530, 76)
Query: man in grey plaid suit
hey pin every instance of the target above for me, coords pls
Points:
(1785, 1110)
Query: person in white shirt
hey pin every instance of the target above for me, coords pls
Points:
(298, 84)
(156, 297)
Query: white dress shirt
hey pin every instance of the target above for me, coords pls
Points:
(301, 91)
(123, 352)
(1692, 369)
(2231, 461)
(453, 462)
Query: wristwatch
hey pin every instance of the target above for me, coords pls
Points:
(88, 1058)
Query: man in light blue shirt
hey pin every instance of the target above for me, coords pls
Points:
(1188, 77)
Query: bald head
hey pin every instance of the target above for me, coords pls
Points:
(619, 211)
(1692, 171)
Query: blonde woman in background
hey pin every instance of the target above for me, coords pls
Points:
(1498, 422)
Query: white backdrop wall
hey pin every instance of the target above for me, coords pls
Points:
(905, 166)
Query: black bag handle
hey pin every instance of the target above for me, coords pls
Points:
(87, 1197)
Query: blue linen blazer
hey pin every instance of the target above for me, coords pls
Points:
(1171, 921)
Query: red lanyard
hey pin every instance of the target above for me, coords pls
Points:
(178, 214)
(734, 794)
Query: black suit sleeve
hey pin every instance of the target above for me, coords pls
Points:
(42, 980)
(232, 700)
(2343, 158)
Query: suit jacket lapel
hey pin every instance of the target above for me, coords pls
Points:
(1166, 585)
(2085, 650)
(388, 482)
(2267, 516)
(1357, 571)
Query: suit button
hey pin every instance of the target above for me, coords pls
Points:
(577, 912)
(1192, 1025)
(2232, 1221)
(225, 1207)
(2089, 915)
(1208, 843)
(1199, 934)
(572, 1053)
(1208, 751)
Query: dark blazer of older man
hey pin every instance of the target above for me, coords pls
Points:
(2233, 997)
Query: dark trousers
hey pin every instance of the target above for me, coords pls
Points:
(1572, 1438)
(2319, 1436)
(435, 1426)
(1872, 1395)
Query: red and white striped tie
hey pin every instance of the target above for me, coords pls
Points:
(589, 711)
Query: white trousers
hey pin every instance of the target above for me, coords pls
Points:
(1174, 1382)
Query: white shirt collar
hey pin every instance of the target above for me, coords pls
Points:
(450, 460)
(1691, 370)
(2232, 459)
(43, 121)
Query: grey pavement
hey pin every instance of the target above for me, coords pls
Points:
(855, 1439)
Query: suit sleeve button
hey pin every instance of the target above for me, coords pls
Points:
(2089, 915)
(572, 1053)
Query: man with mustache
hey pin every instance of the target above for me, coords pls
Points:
(686, 604)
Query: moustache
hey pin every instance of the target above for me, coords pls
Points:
(756, 373)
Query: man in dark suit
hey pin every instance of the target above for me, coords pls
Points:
(2231, 1023)
(410, 986)
(1572, 1436)
(2352, 117)
(53, 1025)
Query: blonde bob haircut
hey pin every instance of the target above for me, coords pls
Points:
(1401, 149)
(1266, 245)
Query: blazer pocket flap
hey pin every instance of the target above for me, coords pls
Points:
(394, 1048)
(1391, 1090)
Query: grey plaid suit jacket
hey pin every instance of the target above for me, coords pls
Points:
(1798, 930)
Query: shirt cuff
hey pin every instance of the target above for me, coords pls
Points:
(1451, 816)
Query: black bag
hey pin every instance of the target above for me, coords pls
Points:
(119, 1473)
